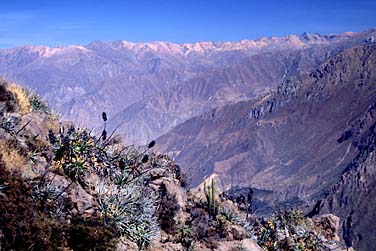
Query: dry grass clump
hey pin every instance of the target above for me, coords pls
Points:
(53, 124)
(7, 98)
(22, 98)
(12, 157)
(27, 101)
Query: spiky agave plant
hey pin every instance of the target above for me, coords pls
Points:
(8, 123)
(2, 188)
(130, 209)
(73, 151)
(37, 104)
(46, 195)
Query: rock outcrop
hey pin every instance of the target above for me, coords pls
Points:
(351, 197)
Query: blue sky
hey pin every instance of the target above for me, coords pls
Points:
(62, 22)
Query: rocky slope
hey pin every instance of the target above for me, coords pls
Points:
(141, 85)
(309, 138)
(64, 188)
(352, 196)
(292, 143)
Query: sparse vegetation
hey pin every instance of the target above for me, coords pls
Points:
(12, 157)
(167, 211)
(8, 123)
(288, 230)
(69, 189)
(26, 101)
(130, 209)
(113, 177)
(210, 198)
(185, 236)
(22, 97)
(37, 104)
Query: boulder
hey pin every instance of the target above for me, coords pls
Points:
(126, 245)
(327, 225)
(244, 245)
(169, 246)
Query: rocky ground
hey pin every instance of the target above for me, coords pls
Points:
(63, 188)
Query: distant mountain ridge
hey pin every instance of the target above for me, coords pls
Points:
(121, 77)
(293, 41)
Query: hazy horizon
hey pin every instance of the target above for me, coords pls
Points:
(166, 41)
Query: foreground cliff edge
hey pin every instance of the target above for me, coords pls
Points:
(63, 188)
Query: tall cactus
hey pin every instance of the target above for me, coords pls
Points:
(214, 209)
(210, 198)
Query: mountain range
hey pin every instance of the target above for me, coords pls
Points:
(291, 117)
(148, 88)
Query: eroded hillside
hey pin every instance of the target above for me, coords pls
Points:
(293, 143)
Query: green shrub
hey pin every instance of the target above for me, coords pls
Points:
(288, 230)
(185, 236)
(37, 104)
